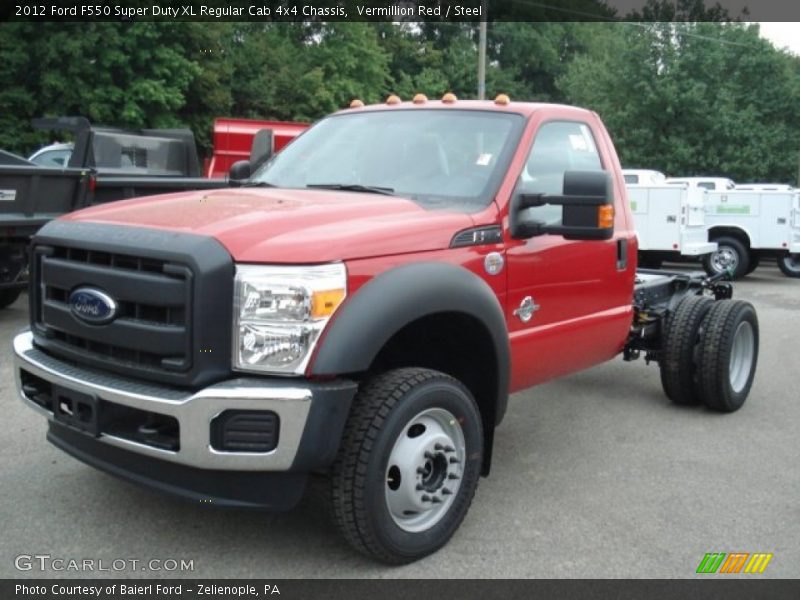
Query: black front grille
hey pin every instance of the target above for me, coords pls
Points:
(151, 330)
(159, 331)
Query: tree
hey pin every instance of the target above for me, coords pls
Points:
(120, 74)
(694, 98)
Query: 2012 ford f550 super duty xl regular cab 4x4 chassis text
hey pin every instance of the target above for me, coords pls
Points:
(361, 310)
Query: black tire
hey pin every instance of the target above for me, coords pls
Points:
(8, 297)
(679, 353)
(755, 261)
(648, 261)
(382, 412)
(789, 264)
(732, 249)
(718, 385)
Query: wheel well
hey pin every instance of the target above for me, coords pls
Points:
(734, 232)
(456, 344)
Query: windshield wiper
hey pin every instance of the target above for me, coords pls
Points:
(353, 187)
(258, 184)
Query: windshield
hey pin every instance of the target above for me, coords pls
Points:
(455, 158)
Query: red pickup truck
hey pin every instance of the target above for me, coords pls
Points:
(360, 311)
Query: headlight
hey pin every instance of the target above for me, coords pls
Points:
(280, 312)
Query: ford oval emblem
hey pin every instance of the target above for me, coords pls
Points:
(92, 306)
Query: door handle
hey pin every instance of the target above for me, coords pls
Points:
(622, 254)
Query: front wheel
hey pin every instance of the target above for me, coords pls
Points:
(731, 255)
(789, 264)
(408, 465)
(755, 261)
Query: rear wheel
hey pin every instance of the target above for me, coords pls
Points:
(731, 255)
(8, 297)
(408, 466)
(728, 355)
(679, 354)
(789, 264)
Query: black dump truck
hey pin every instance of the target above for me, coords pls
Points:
(106, 164)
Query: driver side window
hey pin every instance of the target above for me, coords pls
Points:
(559, 146)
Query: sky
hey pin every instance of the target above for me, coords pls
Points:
(782, 35)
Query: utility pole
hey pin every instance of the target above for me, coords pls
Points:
(482, 51)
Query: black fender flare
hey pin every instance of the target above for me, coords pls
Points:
(400, 296)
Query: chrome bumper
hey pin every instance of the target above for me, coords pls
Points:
(193, 411)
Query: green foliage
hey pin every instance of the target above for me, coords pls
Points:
(686, 98)
(121, 74)
(693, 98)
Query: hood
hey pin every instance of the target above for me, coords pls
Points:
(290, 226)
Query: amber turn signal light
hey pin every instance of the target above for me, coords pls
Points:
(605, 216)
(324, 303)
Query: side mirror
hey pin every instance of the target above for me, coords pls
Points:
(240, 172)
(262, 148)
(587, 213)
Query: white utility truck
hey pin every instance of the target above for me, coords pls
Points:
(670, 220)
(751, 224)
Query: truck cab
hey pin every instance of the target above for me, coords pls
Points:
(360, 309)
(643, 177)
(705, 183)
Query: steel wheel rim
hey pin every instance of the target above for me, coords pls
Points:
(792, 262)
(425, 469)
(742, 354)
(724, 258)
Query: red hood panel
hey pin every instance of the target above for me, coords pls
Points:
(290, 226)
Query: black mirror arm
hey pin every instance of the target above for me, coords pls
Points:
(530, 201)
(534, 200)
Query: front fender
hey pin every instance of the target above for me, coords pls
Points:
(400, 296)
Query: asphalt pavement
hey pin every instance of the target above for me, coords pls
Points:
(595, 475)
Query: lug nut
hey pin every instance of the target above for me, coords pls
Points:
(420, 470)
(449, 449)
(428, 455)
(419, 487)
(426, 498)
(436, 500)
(452, 476)
(454, 460)
(446, 492)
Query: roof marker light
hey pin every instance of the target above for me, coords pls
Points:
(449, 98)
(502, 99)
(393, 99)
(420, 99)
(356, 103)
